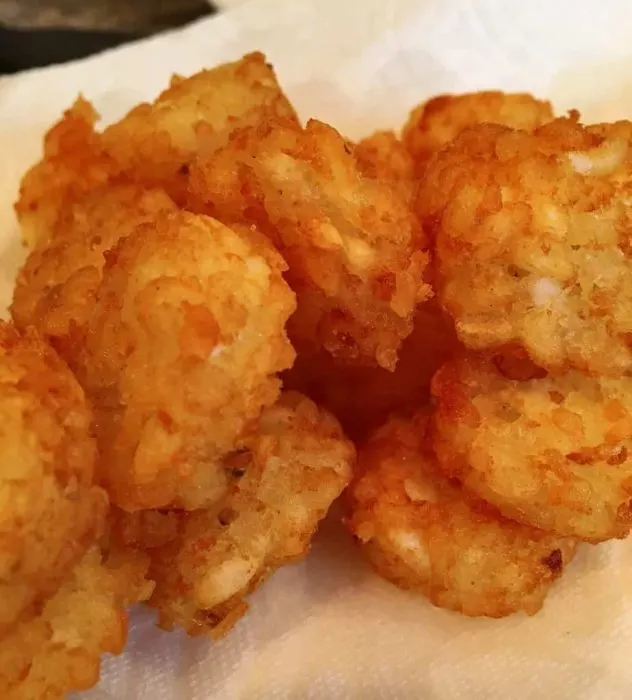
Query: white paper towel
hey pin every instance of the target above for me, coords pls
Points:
(328, 629)
(226, 4)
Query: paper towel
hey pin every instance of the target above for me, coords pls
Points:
(226, 4)
(327, 628)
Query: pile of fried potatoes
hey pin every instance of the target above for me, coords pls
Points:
(227, 317)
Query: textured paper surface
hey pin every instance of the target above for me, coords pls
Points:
(328, 629)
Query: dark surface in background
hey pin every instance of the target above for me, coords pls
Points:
(22, 48)
(25, 48)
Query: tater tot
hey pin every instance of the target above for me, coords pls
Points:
(182, 350)
(286, 474)
(532, 241)
(50, 509)
(356, 253)
(422, 531)
(74, 163)
(59, 650)
(554, 452)
(435, 123)
(382, 156)
(56, 289)
(155, 142)
(152, 145)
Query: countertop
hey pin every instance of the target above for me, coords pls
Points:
(40, 32)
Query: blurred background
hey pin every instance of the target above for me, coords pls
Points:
(37, 33)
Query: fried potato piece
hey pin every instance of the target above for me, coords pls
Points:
(152, 145)
(181, 288)
(422, 531)
(362, 398)
(382, 156)
(433, 124)
(552, 452)
(532, 239)
(182, 350)
(155, 142)
(50, 511)
(356, 253)
(59, 650)
(285, 477)
(56, 288)
(74, 163)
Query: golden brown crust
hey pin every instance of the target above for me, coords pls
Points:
(532, 241)
(60, 649)
(152, 145)
(433, 124)
(552, 452)
(155, 142)
(356, 253)
(382, 156)
(56, 288)
(61, 602)
(181, 297)
(182, 348)
(285, 475)
(424, 532)
(74, 163)
(50, 511)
